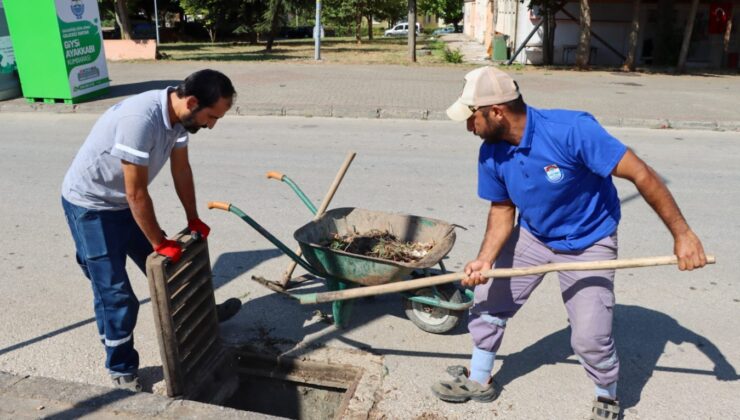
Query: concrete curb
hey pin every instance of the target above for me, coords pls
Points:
(261, 110)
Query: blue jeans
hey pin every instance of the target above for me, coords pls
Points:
(103, 240)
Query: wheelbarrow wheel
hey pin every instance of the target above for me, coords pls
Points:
(434, 319)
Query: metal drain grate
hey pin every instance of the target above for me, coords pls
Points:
(196, 365)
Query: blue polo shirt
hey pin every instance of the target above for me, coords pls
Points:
(559, 178)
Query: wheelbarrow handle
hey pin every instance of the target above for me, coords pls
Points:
(219, 205)
(275, 175)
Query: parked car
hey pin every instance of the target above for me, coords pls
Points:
(401, 29)
(444, 30)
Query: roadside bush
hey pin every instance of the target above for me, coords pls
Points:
(453, 56)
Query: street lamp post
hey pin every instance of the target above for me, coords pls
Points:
(317, 32)
(156, 21)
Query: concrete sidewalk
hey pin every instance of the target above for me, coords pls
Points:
(416, 92)
(24, 397)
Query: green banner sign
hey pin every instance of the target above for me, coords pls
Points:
(7, 59)
(82, 40)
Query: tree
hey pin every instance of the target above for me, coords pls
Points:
(346, 14)
(122, 19)
(687, 37)
(389, 10)
(451, 11)
(668, 37)
(272, 19)
(213, 14)
(629, 62)
(584, 41)
(548, 9)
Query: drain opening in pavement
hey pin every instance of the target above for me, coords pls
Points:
(291, 388)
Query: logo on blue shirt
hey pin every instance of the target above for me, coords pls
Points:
(554, 174)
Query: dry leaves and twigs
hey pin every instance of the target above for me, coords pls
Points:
(379, 244)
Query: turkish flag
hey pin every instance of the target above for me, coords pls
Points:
(719, 14)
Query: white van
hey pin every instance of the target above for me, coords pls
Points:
(401, 29)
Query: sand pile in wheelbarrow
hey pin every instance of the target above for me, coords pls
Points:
(379, 244)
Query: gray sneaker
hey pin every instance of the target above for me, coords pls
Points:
(604, 409)
(128, 382)
(461, 388)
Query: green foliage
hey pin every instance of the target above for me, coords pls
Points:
(212, 14)
(440, 49)
(453, 56)
(449, 10)
(389, 10)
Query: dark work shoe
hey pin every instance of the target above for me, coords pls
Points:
(461, 388)
(604, 408)
(128, 382)
(228, 309)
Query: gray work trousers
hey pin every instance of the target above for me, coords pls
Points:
(588, 298)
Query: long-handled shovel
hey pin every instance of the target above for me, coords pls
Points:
(401, 286)
(320, 211)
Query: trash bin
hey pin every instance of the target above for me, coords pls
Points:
(9, 85)
(500, 50)
(58, 48)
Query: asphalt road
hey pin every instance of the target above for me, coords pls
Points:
(680, 354)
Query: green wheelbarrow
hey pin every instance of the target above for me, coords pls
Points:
(435, 309)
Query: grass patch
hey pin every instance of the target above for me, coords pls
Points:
(343, 50)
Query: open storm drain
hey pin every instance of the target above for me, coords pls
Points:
(291, 388)
(198, 366)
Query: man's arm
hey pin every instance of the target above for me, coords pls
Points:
(136, 179)
(498, 229)
(687, 246)
(182, 176)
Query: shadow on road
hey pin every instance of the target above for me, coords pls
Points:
(641, 335)
(226, 268)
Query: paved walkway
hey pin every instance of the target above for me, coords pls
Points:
(324, 89)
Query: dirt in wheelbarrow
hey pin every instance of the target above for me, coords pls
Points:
(379, 244)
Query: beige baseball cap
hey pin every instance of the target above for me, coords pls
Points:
(483, 86)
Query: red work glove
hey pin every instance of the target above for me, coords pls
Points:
(169, 249)
(197, 226)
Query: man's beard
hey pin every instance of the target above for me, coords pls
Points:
(494, 137)
(189, 122)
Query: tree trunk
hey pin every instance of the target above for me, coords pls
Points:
(726, 42)
(412, 31)
(551, 46)
(122, 19)
(629, 62)
(584, 41)
(274, 19)
(370, 27)
(358, 27)
(212, 34)
(548, 32)
(545, 36)
(687, 37)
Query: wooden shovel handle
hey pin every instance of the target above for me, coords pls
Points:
(498, 272)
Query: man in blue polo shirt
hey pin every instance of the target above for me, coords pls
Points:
(554, 167)
(110, 213)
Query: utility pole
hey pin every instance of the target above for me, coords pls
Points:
(412, 30)
(317, 33)
(156, 21)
